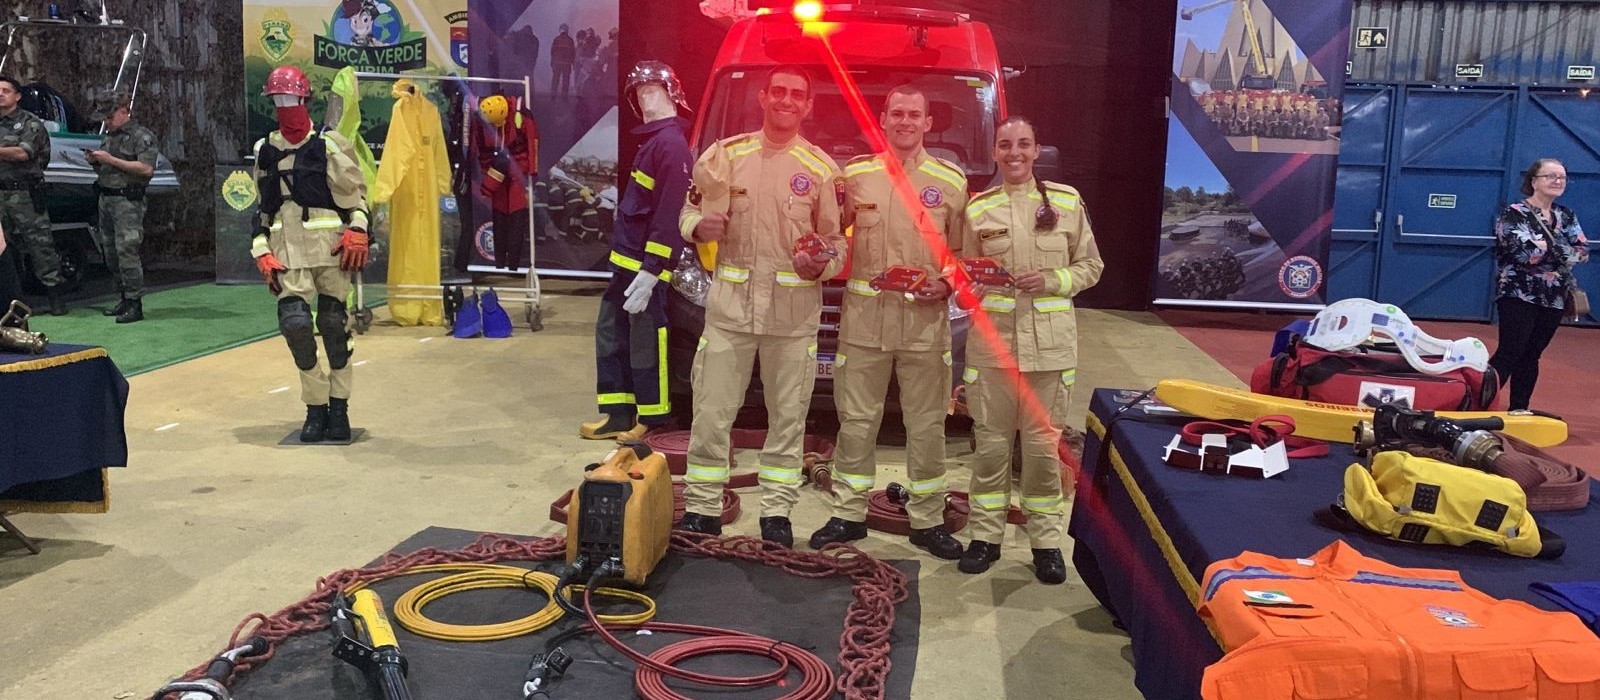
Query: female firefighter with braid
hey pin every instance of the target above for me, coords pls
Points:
(311, 234)
(1019, 376)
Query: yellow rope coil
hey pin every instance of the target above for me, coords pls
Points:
(474, 577)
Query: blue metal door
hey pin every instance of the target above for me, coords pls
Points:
(1565, 125)
(1358, 202)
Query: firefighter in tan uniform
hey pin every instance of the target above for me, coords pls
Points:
(754, 196)
(906, 332)
(1020, 377)
(311, 234)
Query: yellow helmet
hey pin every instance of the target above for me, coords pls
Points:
(494, 109)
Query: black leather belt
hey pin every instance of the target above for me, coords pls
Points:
(129, 191)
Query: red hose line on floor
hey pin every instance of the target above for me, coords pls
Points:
(884, 515)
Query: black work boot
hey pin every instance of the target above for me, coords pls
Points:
(122, 305)
(1048, 566)
(777, 530)
(938, 542)
(338, 420)
(57, 306)
(133, 313)
(703, 524)
(838, 530)
(316, 425)
(979, 556)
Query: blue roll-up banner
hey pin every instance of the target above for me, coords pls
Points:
(1252, 153)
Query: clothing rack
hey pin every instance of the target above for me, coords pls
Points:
(531, 295)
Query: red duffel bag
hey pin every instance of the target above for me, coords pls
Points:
(1371, 378)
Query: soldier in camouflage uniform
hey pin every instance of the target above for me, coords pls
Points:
(24, 153)
(125, 161)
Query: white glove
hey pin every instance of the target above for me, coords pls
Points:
(638, 292)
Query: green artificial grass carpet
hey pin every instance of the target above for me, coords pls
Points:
(179, 324)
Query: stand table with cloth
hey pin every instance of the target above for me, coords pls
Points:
(60, 427)
(1144, 533)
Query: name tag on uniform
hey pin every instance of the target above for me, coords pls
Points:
(738, 191)
(990, 235)
(866, 206)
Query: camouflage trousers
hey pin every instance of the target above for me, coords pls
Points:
(121, 231)
(30, 228)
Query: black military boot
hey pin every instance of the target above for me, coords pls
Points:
(703, 524)
(777, 530)
(838, 530)
(57, 306)
(1048, 566)
(338, 420)
(133, 313)
(938, 542)
(122, 305)
(979, 556)
(316, 425)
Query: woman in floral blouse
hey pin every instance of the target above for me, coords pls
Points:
(1537, 243)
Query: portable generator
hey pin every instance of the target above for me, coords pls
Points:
(622, 511)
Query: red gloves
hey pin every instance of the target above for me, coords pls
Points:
(354, 250)
(270, 268)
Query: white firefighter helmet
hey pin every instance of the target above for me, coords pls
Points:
(648, 72)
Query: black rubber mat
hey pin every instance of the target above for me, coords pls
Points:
(808, 613)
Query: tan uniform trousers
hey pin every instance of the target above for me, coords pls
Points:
(861, 383)
(720, 376)
(999, 410)
(318, 383)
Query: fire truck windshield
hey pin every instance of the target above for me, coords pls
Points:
(963, 108)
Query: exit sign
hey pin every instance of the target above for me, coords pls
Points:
(1469, 71)
(1441, 201)
(1580, 72)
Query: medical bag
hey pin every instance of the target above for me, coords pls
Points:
(1371, 378)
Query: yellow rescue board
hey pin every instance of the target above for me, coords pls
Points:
(1325, 421)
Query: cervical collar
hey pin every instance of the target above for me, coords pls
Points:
(1346, 324)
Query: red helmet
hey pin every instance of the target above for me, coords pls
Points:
(287, 80)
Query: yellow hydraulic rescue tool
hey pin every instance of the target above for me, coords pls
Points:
(622, 511)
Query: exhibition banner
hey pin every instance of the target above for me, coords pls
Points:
(1252, 153)
(567, 50)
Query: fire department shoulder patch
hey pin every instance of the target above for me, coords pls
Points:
(932, 197)
(838, 191)
(800, 185)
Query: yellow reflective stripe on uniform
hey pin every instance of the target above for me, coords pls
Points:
(810, 161)
(969, 375)
(743, 148)
(838, 361)
(700, 345)
(1051, 304)
(663, 394)
(1069, 377)
(861, 287)
(276, 225)
(990, 501)
(979, 207)
(632, 265)
(615, 398)
(736, 275)
(1064, 276)
(648, 182)
(655, 248)
(1065, 200)
(687, 224)
(705, 474)
(998, 304)
(927, 486)
(811, 351)
(948, 358)
(856, 482)
(317, 223)
(782, 475)
(1048, 505)
(863, 167)
(790, 279)
(938, 170)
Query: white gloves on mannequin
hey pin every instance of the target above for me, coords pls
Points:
(638, 292)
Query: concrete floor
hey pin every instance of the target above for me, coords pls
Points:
(214, 521)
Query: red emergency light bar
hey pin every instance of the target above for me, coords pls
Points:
(808, 12)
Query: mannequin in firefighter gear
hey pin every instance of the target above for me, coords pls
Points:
(123, 165)
(311, 234)
(755, 195)
(630, 339)
(24, 154)
(414, 173)
(507, 144)
(1020, 378)
(910, 224)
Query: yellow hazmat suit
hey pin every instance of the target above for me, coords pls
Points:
(414, 173)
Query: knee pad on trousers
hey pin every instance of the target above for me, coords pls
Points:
(294, 322)
(333, 322)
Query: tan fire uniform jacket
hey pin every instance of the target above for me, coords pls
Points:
(306, 243)
(774, 194)
(1036, 333)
